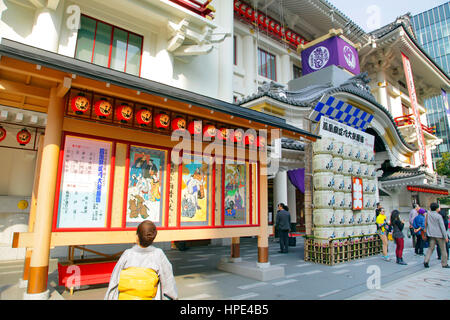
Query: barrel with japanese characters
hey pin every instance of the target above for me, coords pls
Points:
(323, 217)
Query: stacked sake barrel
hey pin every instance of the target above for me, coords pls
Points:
(334, 164)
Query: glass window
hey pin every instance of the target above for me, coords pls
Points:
(266, 65)
(109, 46)
(447, 10)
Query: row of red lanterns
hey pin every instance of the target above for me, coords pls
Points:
(23, 137)
(247, 12)
(124, 113)
(427, 190)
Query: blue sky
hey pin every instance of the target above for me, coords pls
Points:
(372, 14)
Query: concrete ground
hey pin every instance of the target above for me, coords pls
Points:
(198, 278)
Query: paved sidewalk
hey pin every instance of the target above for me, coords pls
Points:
(198, 278)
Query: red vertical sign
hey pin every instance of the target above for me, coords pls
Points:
(415, 108)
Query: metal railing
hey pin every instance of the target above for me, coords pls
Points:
(409, 119)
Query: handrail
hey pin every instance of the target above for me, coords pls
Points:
(203, 9)
(409, 119)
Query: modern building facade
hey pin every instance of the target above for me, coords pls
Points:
(432, 30)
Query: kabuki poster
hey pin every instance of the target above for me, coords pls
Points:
(145, 185)
(196, 195)
(235, 197)
(83, 197)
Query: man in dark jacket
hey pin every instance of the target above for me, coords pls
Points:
(283, 223)
(444, 215)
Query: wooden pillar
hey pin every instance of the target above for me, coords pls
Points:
(38, 276)
(308, 189)
(235, 247)
(263, 238)
(32, 215)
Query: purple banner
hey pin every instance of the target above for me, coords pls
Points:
(297, 178)
(445, 98)
(333, 51)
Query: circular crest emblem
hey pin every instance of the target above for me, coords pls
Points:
(349, 57)
(318, 58)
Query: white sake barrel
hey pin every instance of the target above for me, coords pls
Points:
(324, 232)
(366, 186)
(367, 201)
(364, 170)
(322, 162)
(348, 201)
(373, 186)
(337, 165)
(365, 229)
(349, 231)
(356, 168)
(348, 217)
(339, 232)
(364, 155)
(371, 156)
(338, 149)
(323, 180)
(372, 228)
(348, 151)
(356, 153)
(357, 230)
(374, 201)
(339, 217)
(347, 166)
(357, 215)
(372, 171)
(323, 217)
(366, 218)
(339, 182)
(339, 200)
(324, 199)
(324, 145)
(348, 183)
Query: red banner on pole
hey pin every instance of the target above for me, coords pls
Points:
(415, 108)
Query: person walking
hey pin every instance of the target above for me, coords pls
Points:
(382, 230)
(437, 234)
(445, 218)
(283, 223)
(140, 269)
(397, 225)
(419, 226)
(412, 214)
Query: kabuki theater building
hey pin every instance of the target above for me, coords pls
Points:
(129, 116)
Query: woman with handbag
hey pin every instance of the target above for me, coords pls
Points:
(398, 236)
(419, 230)
(383, 230)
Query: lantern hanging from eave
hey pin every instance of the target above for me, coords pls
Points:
(261, 142)
(195, 127)
(209, 131)
(23, 137)
(162, 120)
(249, 139)
(144, 117)
(2, 133)
(223, 134)
(238, 136)
(80, 104)
(124, 112)
(178, 124)
(103, 108)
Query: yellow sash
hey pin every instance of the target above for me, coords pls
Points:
(138, 284)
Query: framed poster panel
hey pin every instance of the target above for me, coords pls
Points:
(85, 183)
(196, 191)
(146, 186)
(235, 198)
(357, 193)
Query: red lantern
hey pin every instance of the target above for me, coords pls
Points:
(162, 121)
(209, 131)
(195, 127)
(144, 117)
(124, 112)
(261, 142)
(80, 104)
(2, 133)
(178, 124)
(103, 108)
(272, 26)
(249, 139)
(238, 136)
(223, 134)
(23, 137)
